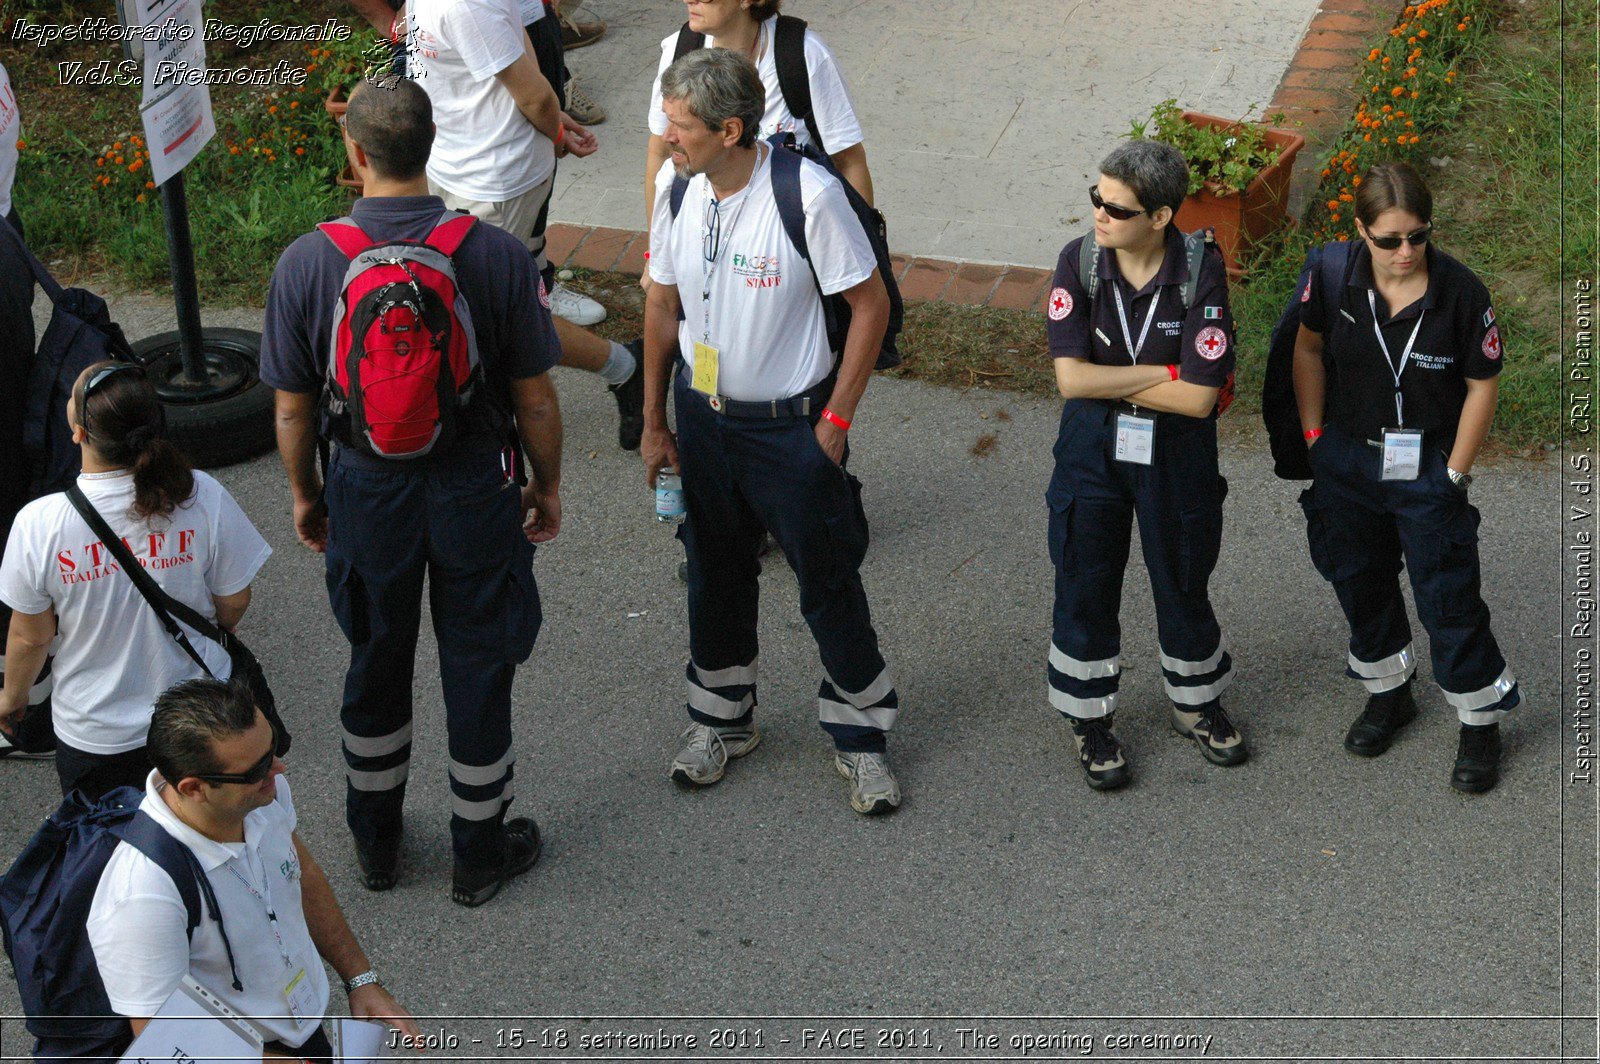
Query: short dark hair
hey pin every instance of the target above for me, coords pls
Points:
(189, 718)
(1155, 170)
(1393, 186)
(392, 119)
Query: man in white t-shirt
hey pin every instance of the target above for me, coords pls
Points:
(500, 131)
(762, 412)
(219, 789)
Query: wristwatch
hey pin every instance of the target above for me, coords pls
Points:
(366, 978)
(1460, 480)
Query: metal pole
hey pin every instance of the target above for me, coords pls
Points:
(180, 256)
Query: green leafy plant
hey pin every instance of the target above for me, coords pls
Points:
(1224, 160)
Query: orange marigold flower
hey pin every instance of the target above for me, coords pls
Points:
(293, 104)
(1422, 33)
(141, 197)
(117, 146)
(1411, 72)
(299, 151)
(100, 161)
(149, 184)
(1366, 136)
(117, 160)
(1334, 216)
(1345, 197)
(1396, 91)
(272, 110)
(1333, 204)
(1387, 108)
(1356, 183)
(134, 166)
(1326, 172)
(1373, 54)
(1415, 94)
(1409, 123)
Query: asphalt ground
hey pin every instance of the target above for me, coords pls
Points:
(1272, 906)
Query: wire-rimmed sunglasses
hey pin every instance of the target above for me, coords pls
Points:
(1415, 239)
(1116, 211)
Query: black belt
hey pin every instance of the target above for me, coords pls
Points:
(805, 404)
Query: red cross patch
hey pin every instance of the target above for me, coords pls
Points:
(1305, 296)
(1212, 343)
(1491, 343)
(544, 296)
(1060, 304)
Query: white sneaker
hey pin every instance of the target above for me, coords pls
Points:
(873, 790)
(706, 752)
(576, 307)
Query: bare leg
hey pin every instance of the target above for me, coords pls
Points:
(580, 348)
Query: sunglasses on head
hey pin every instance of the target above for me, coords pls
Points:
(1389, 243)
(1120, 213)
(258, 772)
(102, 375)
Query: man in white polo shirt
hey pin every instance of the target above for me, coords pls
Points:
(500, 131)
(762, 412)
(219, 789)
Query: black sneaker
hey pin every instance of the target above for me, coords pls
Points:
(472, 885)
(630, 401)
(1477, 759)
(380, 863)
(1219, 741)
(1386, 714)
(1100, 754)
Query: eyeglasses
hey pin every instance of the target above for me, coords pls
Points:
(1120, 213)
(258, 772)
(711, 231)
(106, 374)
(1389, 243)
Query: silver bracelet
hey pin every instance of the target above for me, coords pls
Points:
(366, 978)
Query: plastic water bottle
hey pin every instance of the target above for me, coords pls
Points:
(669, 497)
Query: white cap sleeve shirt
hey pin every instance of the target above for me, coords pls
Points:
(137, 919)
(10, 133)
(766, 320)
(114, 656)
(485, 149)
(830, 100)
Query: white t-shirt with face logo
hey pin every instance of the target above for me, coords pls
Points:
(115, 657)
(10, 133)
(765, 317)
(485, 149)
(830, 100)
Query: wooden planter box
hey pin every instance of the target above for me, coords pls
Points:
(1242, 219)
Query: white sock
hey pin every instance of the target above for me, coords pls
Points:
(619, 366)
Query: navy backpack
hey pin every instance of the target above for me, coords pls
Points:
(1279, 411)
(44, 913)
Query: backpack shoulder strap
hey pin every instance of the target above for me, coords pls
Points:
(347, 236)
(1089, 265)
(688, 41)
(786, 191)
(171, 856)
(1194, 246)
(794, 80)
(46, 280)
(680, 186)
(451, 229)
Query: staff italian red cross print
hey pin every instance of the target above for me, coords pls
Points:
(1060, 303)
(1212, 343)
(1491, 343)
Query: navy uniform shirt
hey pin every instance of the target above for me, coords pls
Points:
(494, 271)
(1200, 341)
(1457, 341)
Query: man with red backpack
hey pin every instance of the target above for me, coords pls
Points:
(413, 338)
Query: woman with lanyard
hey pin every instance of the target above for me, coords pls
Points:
(114, 656)
(1397, 374)
(1142, 339)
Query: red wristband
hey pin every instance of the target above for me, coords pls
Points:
(1173, 369)
(834, 419)
(647, 256)
(561, 135)
(1312, 434)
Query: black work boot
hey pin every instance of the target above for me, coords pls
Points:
(1386, 714)
(474, 884)
(1100, 753)
(380, 862)
(1477, 759)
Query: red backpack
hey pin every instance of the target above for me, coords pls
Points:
(404, 361)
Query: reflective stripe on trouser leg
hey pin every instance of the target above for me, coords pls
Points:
(1487, 705)
(379, 763)
(721, 697)
(1084, 690)
(1197, 683)
(481, 792)
(1385, 674)
(858, 719)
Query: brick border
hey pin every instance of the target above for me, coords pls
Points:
(1317, 96)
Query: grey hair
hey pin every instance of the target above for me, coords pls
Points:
(716, 85)
(1155, 170)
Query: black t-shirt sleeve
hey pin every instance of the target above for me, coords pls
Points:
(1206, 353)
(1477, 332)
(1067, 309)
(289, 359)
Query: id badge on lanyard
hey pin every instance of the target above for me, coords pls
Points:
(1402, 447)
(1136, 435)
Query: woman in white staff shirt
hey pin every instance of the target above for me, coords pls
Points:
(114, 656)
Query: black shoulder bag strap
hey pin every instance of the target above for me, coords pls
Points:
(165, 606)
(688, 41)
(52, 288)
(794, 81)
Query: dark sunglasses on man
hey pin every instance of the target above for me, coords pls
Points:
(1120, 213)
(258, 772)
(1389, 243)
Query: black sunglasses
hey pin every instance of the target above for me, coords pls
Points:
(106, 374)
(1122, 214)
(1389, 243)
(258, 772)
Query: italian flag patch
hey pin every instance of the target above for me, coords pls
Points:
(1213, 313)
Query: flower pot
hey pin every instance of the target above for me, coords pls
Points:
(336, 103)
(1243, 218)
(347, 178)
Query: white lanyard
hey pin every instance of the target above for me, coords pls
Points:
(266, 902)
(706, 274)
(1122, 319)
(1405, 355)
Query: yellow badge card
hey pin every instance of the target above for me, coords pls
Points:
(705, 369)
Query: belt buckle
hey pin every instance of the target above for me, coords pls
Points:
(716, 402)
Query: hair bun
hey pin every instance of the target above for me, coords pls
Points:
(142, 436)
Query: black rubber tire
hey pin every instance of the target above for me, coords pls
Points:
(229, 428)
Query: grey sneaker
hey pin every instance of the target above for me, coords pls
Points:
(873, 790)
(706, 751)
(1219, 741)
(581, 106)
